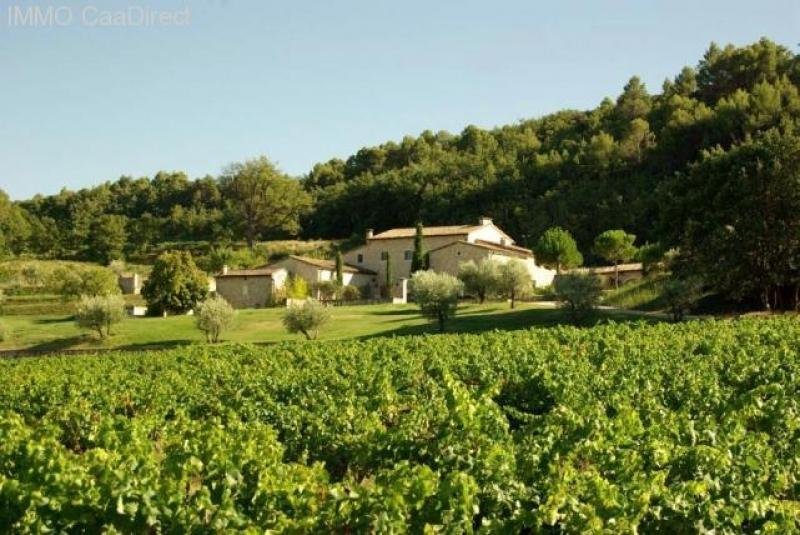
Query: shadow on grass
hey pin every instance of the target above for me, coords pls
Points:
(477, 321)
(51, 321)
(147, 346)
(58, 345)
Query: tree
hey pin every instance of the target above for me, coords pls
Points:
(436, 294)
(556, 249)
(306, 318)
(263, 200)
(615, 246)
(74, 282)
(739, 220)
(481, 279)
(175, 285)
(100, 312)
(578, 293)
(339, 268)
(513, 280)
(107, 238)
(418, 258)
(214, 316)
(389, 278)
(680, 295)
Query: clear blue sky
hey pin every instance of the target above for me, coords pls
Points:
(304, 81)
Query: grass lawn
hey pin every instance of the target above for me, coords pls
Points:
(57, 332)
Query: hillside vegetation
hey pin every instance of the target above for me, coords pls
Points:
(622, 428)
(692, 166)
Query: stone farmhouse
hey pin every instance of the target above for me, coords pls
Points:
(447, 247)
(255, 288)
(365, 266)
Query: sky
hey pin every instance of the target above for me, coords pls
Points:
(83, 102)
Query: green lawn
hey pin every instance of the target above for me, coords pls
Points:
(56, 332)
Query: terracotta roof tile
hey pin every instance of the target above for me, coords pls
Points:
(330, 265)
(410, 232)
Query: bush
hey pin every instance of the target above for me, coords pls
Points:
(307, 318)
(296, 287)
(92, 281)
(680, 295)
(214, 316)
(175, 285)
(436, 294)
(2, 332)
(481, 279)
(578, 293)
(100, 312)
(326, 289)
(349, 292)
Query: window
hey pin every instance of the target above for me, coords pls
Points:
(407, 255)
(361, 259)
(384, 255)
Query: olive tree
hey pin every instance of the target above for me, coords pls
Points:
(480, 279)
(306, 318)
(99, 313)
(436, 294)
(214, 316)
(578, 293)
(514, 280)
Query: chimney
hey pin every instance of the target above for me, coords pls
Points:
(484, 221)
(224, 270)
(370, 233)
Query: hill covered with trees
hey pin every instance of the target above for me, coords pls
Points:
(709, 164)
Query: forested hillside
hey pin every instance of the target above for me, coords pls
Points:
(717, 148)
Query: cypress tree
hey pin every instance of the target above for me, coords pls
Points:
(339, 269)
(388, 275)
(418, 260)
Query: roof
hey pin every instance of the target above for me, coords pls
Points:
(601, 270)
(257, 272)
(330, 265)
(491, 246)
(410, 232)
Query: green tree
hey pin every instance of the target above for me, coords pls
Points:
(514, 280)
(480, 279)
(306, 318)
(556, 249)
(578, 293)
(436, 294)
(616, 246)
(214, 316)
(107, 238)
(296, 287)
(73, 282)
(418, 258)
(262, 200)
(100, 312)
(339, 269)
(389, 277)
(175, 284)
(680, 295)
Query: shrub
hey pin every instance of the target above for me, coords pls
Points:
(513, 280)
(2, 331)
(100, 312)
(93, 281)
(326, 289)
(680, 295)
(175, 285)
(481, 279)
(578, 293)
(296, 287)
(349, 292)
(306, 318)
(436, 294)
(214, 316)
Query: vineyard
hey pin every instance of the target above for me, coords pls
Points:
(660, 428)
